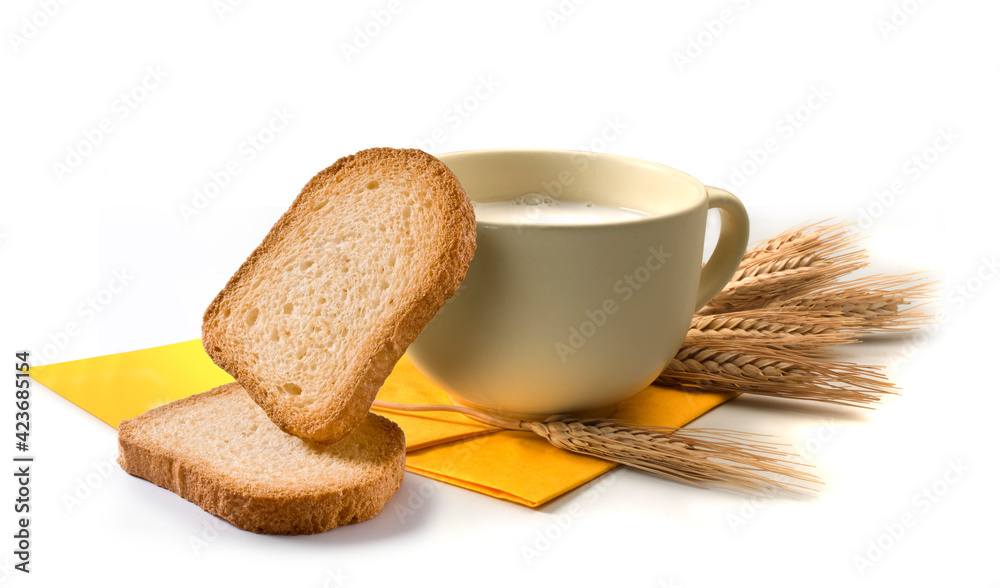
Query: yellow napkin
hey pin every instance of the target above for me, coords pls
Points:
(123, 385)
(516, 466)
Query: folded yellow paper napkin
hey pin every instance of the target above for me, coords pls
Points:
(513, 465)
(124, 385)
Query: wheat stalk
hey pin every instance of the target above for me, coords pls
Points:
(760, 323)
(767, 369)
(878, 303)
(695, 456)
(811, 238)
(791, 264)
(756, 291)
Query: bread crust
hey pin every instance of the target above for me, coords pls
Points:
(350, 399)
(289, 509)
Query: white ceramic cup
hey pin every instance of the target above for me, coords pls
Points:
(574, 318)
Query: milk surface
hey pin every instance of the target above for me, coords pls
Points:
(540, 209)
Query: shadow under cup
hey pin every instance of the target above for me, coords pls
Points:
(574, 318)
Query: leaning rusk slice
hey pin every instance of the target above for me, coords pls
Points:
(316, 318)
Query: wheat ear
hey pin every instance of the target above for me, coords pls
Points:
(695, 456)
(783, 328)
(793, 263)
(879, 303)
(766, 369)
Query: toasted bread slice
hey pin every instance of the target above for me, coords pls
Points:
(219, 450)
(318, 315)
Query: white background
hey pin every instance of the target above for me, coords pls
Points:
(609, 76)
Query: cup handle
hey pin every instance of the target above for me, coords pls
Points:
(729, 250)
